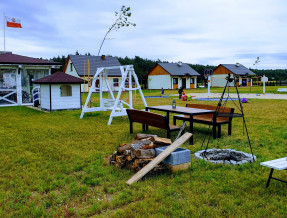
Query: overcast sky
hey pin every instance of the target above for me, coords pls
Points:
(194, 31)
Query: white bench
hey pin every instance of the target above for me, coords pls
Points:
(278, 164)
(282, 90)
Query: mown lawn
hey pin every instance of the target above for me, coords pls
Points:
(54, 164)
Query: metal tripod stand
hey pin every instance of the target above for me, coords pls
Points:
(220, 112)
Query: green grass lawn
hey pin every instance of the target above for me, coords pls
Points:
(54, 164)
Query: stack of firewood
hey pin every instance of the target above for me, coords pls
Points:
(139, 153)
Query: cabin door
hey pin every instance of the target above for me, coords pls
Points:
(183, 83)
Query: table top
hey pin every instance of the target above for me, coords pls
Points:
(278, 164)
(181, 110)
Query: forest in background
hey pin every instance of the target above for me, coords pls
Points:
(142, 66)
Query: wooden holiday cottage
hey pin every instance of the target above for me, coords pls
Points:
(243, 75)
(172, 76)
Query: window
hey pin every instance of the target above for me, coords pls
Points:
(71, 66)
(175, 80)
(191, 81)
(116, 82)
(66, 90)
(91, 82)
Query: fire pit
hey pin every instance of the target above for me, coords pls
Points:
(226, 156)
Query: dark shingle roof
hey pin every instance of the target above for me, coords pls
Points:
(9, 58)
(238, 69)
(95, 61)
(175, 69)
(59, 77)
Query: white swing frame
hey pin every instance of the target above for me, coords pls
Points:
(114, 104)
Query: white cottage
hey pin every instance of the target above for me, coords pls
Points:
(172, 76)
(60, 91)
(243, 75)
(85, 67)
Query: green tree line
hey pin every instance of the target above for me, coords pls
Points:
(142, 66)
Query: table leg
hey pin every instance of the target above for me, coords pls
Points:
(270, 176)
(191, 128)
(146, 126)
(214, 126)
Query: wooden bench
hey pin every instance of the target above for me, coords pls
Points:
(208, 118)
(150, 119)
(278, 164)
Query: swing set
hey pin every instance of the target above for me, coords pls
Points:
(115, 104)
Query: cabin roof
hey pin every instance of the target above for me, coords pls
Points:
(59, 77)
(237, 69)
(9, 58)
(176, 69)
(80, 63)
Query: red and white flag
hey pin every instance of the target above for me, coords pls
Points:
(12, 22)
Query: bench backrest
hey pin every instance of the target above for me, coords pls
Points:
(148, 118)
(212, 107)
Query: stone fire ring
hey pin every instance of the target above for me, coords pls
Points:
(226, 156)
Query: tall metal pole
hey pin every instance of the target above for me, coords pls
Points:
(4, 29)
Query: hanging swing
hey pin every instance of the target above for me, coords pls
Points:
(118, 104)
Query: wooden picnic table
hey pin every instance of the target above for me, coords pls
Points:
(277, 164)
(183, 110)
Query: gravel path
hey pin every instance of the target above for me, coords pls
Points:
(234, 95)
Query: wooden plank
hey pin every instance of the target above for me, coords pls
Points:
(159, 158)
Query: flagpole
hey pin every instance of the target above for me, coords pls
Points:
(4, 30)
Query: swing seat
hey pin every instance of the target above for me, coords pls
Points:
(109, 104)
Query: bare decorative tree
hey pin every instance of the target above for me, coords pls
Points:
(121, 21)
(256, 62)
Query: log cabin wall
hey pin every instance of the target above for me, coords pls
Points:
(158, 70)
(221, 70)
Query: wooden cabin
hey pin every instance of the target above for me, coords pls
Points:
(243, 75)
(172, 76)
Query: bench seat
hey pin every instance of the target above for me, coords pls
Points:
(150, 119)
(208, 118)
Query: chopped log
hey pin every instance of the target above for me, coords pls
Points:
(150, 146)
(135, 165)
(121, 149)
(143, 161)
(127, 152)
(141, 144)
(113, 162)
(120, 158)
(129, 157)
(113, 157)
(129, 164)
(140, 136)
(159, 158)
(119, 165)
(148, 153)
(159, 140)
